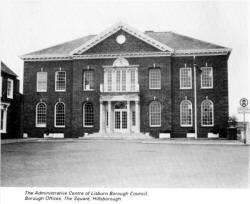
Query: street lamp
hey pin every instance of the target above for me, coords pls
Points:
(195, 98)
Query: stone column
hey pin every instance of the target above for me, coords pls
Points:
(137, 116)
(101, 117)
(128, 116)
(109, 116)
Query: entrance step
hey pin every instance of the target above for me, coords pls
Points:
(114, 136)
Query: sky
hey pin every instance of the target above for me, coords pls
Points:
(30, 25)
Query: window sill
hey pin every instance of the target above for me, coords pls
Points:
(186, 88)
(60, 126)
(60, 90)
(154, 88)
(41, 126)
(206, 87)
(186, 125)
(88, 89)
(9, 97)
(88, 126)
(40, 91)
(207, 125)
(155, 126)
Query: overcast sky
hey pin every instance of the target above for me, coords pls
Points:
(29, 25)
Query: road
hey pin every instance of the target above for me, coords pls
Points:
(124, 163)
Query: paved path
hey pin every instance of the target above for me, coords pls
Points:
(124, 163)
(149, 140)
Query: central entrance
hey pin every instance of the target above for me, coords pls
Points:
(119, 113)
(121, 117)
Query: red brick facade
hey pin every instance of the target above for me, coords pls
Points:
(170, 95)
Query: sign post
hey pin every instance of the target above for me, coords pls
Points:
(244, 110)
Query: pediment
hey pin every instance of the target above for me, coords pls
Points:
(121, 38)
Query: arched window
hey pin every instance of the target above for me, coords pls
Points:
(207, 113)
(41, 112)
(186, 113)
(59, 114)
(88, 115)
(155, 114)
(120, 62)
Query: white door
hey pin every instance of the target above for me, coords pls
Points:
(121, 120)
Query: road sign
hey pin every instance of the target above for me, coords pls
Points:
(243, 102)
(243, 110)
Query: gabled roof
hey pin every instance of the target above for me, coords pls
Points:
(166, 42)
(121, 26)
(63, 48)
(181, 42)
(7, 70)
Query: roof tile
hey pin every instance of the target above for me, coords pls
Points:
(7, 70)
(171, 39)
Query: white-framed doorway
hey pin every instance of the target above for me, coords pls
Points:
(120, 117)
(121, 120)
(3, 117)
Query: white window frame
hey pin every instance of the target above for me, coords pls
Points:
(212, 78)
(202, 113)
(150, 122)
(10, 92)
(132, 79)
(4, 107)
(59, 126)
(191, 78)
(181, 113)
(109, 80)
(39, 89)
(60, 90)
(84, 116)
(124, 78)
(41, 125)
(84, 87)
(150, 77)
(1, 85)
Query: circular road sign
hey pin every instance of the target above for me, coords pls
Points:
(243, 102)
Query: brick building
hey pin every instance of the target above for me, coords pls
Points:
(127, 81)
(11, 104)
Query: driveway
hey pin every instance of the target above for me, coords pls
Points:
(124, 163)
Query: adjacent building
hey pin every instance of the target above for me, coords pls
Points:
(127, 81)
(11, 104)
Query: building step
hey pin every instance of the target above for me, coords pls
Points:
(125, 136)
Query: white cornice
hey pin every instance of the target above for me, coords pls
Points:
(202, 52)
(128, 66)
(46, 57)
(120, 26)
(177, 53)
(95, 56)
(125, 55)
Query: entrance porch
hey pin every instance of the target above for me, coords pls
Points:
(119, 114)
